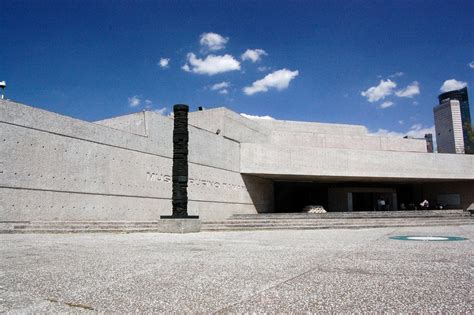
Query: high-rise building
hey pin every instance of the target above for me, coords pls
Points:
(461, 95)
(448, 126)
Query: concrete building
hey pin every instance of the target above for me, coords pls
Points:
(448, 127)
(54, 167)
(462, 97)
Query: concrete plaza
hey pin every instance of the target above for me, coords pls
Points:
(264, 271)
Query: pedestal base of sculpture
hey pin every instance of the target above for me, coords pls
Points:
(171, 224)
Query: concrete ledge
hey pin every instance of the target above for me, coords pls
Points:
(172, 225)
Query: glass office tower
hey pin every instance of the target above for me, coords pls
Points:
(463, 98)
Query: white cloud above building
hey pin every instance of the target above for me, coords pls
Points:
(161, 111)
(278, 80)
(379, 92)
(396, 74)
(211, 65)
(221, 87)
(415, 131)
(410, 91)
(452, 84)
(264, 68)
(266, 117)
(134, 101)
(253, 55)
(213, 41)
(164, 63)
(386, 104)
(471, 65)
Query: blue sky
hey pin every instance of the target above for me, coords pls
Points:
(307, 60)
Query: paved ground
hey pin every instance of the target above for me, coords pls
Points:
(266, 271)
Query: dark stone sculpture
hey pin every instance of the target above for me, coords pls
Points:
(180, 163)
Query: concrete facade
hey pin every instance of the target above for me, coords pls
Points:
(54, 167)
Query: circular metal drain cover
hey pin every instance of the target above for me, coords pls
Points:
(427, 238)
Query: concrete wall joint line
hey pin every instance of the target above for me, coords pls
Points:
(81, 192)
(119, 195)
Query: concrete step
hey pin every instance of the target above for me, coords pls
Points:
(83, 222)
(69, 230)
(330, 220)
(83, 226)
(371, 214)
(313, 227)
(350, 220)
(253, 222)
(338, 222)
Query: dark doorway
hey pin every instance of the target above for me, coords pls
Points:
(294, 196)
(363, 201)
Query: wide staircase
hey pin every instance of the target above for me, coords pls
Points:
(268, 221)
(340, 220)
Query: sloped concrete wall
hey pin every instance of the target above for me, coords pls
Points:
(54, 167)
(230, 125)
(133, 123)
(293, 133)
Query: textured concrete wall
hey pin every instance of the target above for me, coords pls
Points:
(313, 127)
(374, 143)
(133, 123)
(230, 125)
(269, 159)
(292, 133)
(54, 167)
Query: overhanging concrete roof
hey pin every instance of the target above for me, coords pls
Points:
(269, 160)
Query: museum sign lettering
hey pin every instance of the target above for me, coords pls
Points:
(164, 178)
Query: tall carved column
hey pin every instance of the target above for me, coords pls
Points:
(180, 221)
(180, 161)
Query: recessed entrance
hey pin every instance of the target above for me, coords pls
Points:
(344, 196)
(294, 196)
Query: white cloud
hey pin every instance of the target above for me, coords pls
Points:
(266, 117)
(415, 103)
(134, 101)
(219, 86)
(164, 63)
(386, 104)
(263, 68)
(253, 54)
(279, 80)
(161, 111)
(410, 91)
(375, 93)
(416, 131)
(401, 122)
(148, 102)
(211, 65)
(452, 84)
(471, 65)
(396, 74)
(213, 41)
